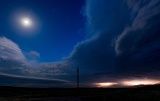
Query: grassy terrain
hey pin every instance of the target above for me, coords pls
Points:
(145, 93)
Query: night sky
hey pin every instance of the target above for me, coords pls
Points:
(114, 43)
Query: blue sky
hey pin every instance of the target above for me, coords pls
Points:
(58, 26)
(109, 40)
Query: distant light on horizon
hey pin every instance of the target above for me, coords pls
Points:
(105, 84)
(136, 82)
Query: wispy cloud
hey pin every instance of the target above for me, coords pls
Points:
(25, 81)
(34, 53)
(32, 56)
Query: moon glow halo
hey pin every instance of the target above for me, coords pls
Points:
(26, 22)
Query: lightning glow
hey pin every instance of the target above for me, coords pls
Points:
(140, 82)
(105, 84)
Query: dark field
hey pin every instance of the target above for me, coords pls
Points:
(148, 93)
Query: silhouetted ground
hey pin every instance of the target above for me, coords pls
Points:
(141, 93)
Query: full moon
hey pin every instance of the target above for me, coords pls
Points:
(26, 22)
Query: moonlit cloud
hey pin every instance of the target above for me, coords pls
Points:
(33, 56)
(10, 51)
(141, 26)
(34, 53)
(12, 60)
(138, 45)
(15, 65)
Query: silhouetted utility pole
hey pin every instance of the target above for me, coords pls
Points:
(77, 77)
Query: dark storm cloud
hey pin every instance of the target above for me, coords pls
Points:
(105, 20)
(134, 27)
(138, 47)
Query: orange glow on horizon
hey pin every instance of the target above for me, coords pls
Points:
(140, 82)
(105, 84)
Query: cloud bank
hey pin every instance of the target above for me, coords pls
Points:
(24, 81)
(10, 51)
(123, 40)
(105, 21)
(19, 70)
